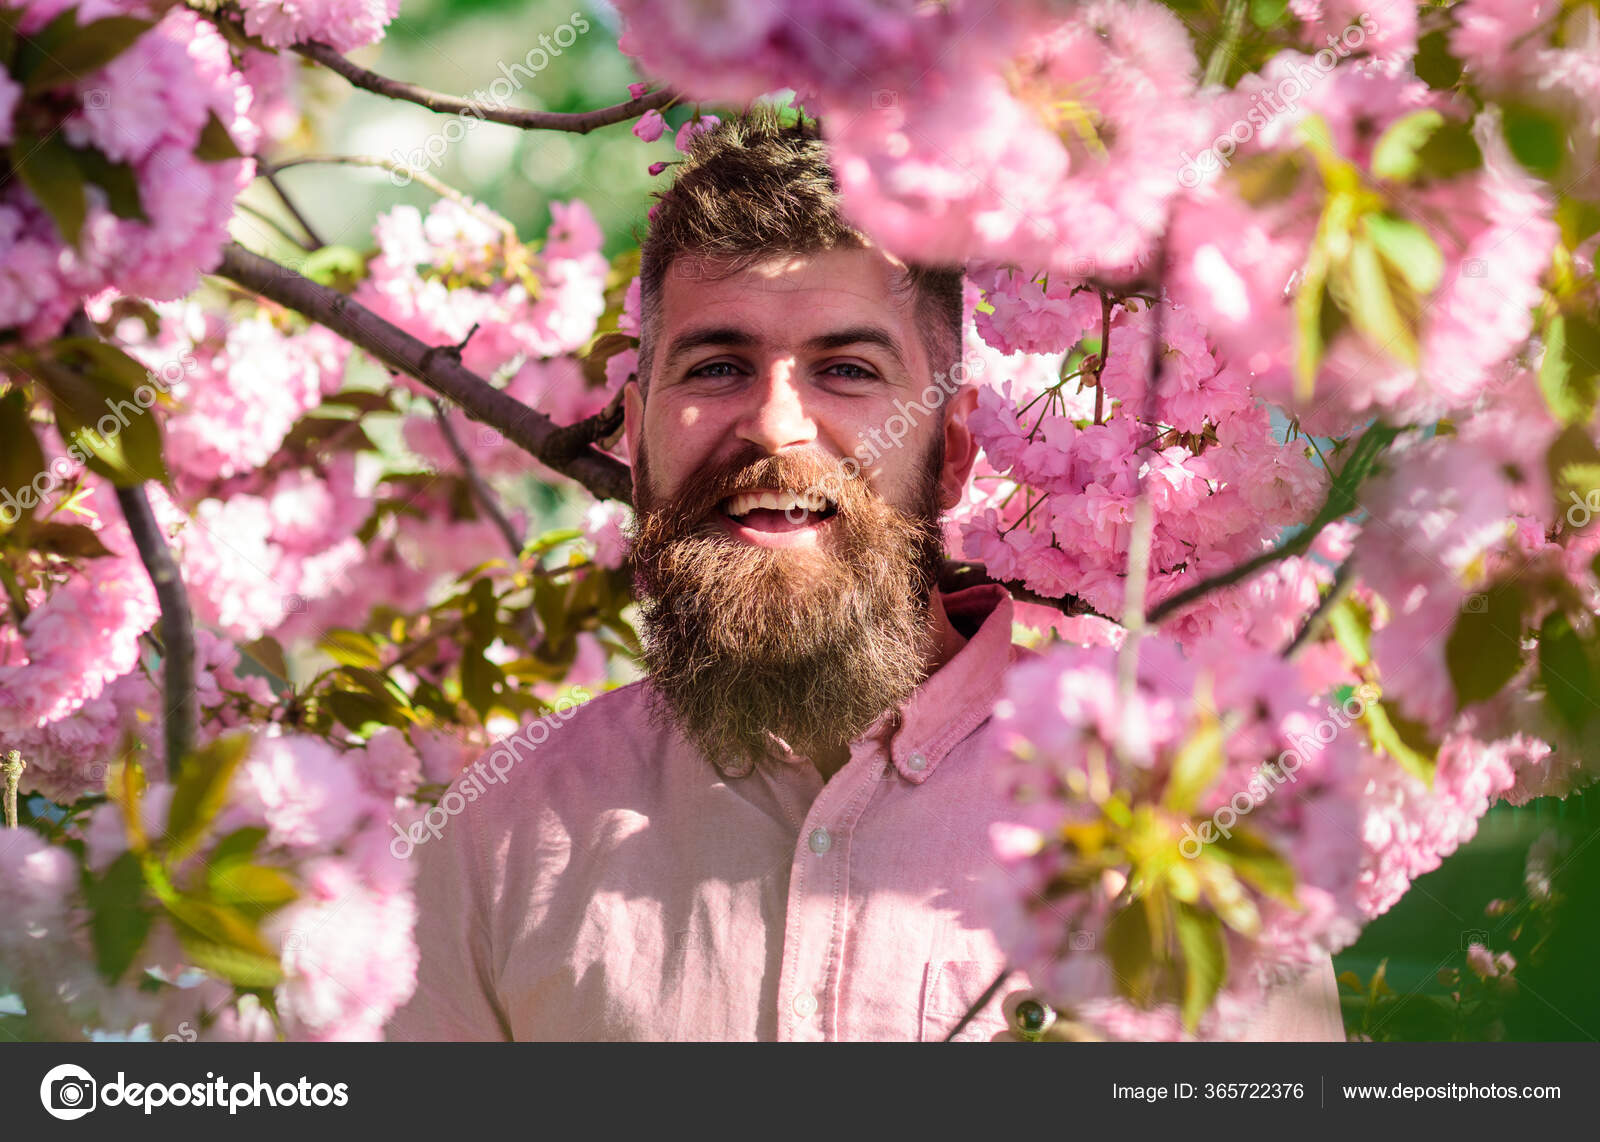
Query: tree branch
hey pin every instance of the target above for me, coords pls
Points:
(439, 367)
(271, 177)
(177, 625)
(480, 487)
(959, 574)
(581, 122)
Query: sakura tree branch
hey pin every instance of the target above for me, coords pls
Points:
(271, 177)
(177, 625)
(958, 574)
(438, 367)
(1343, 580)
(1340, 502)
(580, 122)
(480, 487)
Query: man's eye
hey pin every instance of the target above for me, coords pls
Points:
(716, 369)
(851, 371)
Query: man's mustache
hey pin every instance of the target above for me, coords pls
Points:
(753, 469)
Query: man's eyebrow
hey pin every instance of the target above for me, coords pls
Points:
(860, 335)
(718, 335)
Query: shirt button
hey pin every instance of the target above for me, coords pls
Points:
(805, 1005)
(916, 763)
(820, 841)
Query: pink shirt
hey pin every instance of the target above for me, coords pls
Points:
(617, 886)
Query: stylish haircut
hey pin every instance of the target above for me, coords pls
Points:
(752, 187)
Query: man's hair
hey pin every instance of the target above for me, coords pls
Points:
(752, 187)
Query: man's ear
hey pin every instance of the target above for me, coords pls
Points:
(960, 449)
(632, 418)
(633, 428)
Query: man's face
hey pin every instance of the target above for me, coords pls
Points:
(802, 354)
(790, 466)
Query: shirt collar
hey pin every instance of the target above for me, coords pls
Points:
(958, 697)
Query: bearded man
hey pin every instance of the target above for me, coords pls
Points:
(782, 832)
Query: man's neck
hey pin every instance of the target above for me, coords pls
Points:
(830, 757)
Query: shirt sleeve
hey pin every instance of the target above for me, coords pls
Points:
(455, 998)
(1303, 1011)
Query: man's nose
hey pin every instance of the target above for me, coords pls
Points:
(776, 417)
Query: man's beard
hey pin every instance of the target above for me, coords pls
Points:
(810, 645)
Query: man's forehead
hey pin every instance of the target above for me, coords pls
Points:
(793, 287)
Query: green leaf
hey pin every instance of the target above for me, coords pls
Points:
(1578, 219)
(1406, 247)
(229, 962)
(252, 888)
(1205, 960)
(1537, 138)
(1130, 947)
(1436, 65)
(1257, 863)
(357, 710)
(111, 365)
(118, 180)
(1567, 672)
(215, 144)
(21, 459)
(9, 19)
(63, 54)
(119, 917)
(1450, 151)
(70, 540)
(1402, 740)
(201, 790)
(1352, 627)
(267, 653)
(1351, 980)
(241, 844)
(1573, 464)
(1394, 155)
(51, 173)
(1484, 650)
(1570, 369)
(1197, 764)
(1362, 290)
(335, 265)
(89, 397)
(1266, 14)
(351, 648)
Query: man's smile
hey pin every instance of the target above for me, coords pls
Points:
(775, 517)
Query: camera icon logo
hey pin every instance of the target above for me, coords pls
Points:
(1472, 936)
(68, 1092)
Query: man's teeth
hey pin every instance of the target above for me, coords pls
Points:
(747, 502)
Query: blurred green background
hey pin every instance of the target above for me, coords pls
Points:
(457, 46)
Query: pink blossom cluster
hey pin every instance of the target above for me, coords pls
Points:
(1061, 152)
(341, 24)
(237, 387)
(1069, 743)
(148, 109)
(1544, 55)
(1221, 479)
(860, 52)
(1238, 264)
